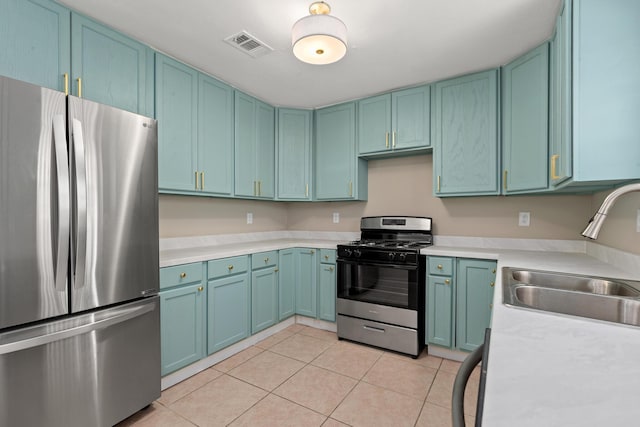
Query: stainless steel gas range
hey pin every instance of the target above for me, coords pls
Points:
(381, 292)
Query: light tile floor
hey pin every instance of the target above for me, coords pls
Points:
(304, 376)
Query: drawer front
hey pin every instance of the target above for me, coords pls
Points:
(180, 275)
(328, 256)
(228, 266)
(264, 259)
(440, 266)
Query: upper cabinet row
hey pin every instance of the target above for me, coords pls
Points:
(46, 44)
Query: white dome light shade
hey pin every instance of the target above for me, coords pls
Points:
(319, 39)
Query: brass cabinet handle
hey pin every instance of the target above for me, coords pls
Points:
(447, 281)
(306, 191)
(255, 188)
(554, 161)
(276, 270)
(66, 83)
(79, 80)
(266, 260)
(393, 139)
(259, 188)
(350, 188)
(439, 266)
(438, 183)
(312, 252)
(196, 179)
(492, 284)
(386, 140)
(330, 268)
(200, 289)
(183, 275)
(230, 267)
(202, 180)
(494, 271)
(504, 180)
(491, 306)
(326, 257)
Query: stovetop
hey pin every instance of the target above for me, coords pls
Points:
(392, 244)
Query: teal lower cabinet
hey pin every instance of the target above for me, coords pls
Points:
(182, 322)
(306, 282)
(327, 285)
(286, 283)
(459, 301)
(228, 302)
(264, 290)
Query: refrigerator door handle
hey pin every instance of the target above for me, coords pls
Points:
(62, 170)
(81, 204)
(18, 343)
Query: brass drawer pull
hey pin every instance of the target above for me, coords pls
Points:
(330, 268)
(183, 275)
(266, 260)
(200, 289)
(326, 257)
(492, 284)
(447, 281)
(230, 267)
(439, 267)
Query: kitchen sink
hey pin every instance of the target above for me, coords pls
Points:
(611, 300)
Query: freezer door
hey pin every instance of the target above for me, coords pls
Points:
(34, 203)
(93, 369)
(114, 157)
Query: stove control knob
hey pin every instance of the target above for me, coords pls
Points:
(392, 256)
(403, 256)
(357, 253)
(347, 252)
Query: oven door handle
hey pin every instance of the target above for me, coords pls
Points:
(379, 265)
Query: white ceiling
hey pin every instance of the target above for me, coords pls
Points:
(392, 44)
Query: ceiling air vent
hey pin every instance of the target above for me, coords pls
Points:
(248, 44)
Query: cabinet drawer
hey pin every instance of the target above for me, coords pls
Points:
(264, 259)
(228, 266)
(180, 275)
(328, 256)
(440, 266)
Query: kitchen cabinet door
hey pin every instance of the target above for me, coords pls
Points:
(440, 291)
(228, 301)
(475, 284)
(35, 41)
(114, 69)
(327, 292)
(410, 123)
(306, 289)
(264, 298)
(525, 117)
(294, 154)
(287, 261)
(254, 147)
(339, 173)
(177, 106)
(215, 136)
(182, 323)
(374, 124)
(465, 135)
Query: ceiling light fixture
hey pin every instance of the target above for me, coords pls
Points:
(319, 38)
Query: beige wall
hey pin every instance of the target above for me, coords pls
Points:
(552, 217)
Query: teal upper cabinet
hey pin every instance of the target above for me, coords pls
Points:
(525, 116)
(294, 154)
(604, 57)
(465, 135)
(177, 104)
(35, 41)
(254, 148)
(215, 136)
(195, 130)
(391, 123)
(110, 68)
(339, 173)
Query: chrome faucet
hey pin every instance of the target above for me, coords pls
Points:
(595, 223)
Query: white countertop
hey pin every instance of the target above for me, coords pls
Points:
(544, 369)
(548, 369)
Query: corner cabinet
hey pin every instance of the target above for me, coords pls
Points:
(110, 68)
(394, 123)
(228, 302)
(195, 131)
(465, 135)
(254, 148)
(182, 316)
(525, 122)
(35, 41)
(459, 301)
(339, 173)
(294, 154)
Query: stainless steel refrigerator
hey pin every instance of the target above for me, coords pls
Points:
(79, 311)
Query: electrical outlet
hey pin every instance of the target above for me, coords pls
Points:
(336, 217)
(524, 219)
(249, 218)
(638, 222)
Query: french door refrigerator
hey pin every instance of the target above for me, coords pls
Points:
(79, 311)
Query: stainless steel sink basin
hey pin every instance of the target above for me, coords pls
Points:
(611, 300)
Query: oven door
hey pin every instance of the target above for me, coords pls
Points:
(379, 283)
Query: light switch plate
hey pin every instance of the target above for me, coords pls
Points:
(524, 218)
(249, 218)
(336, 217)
